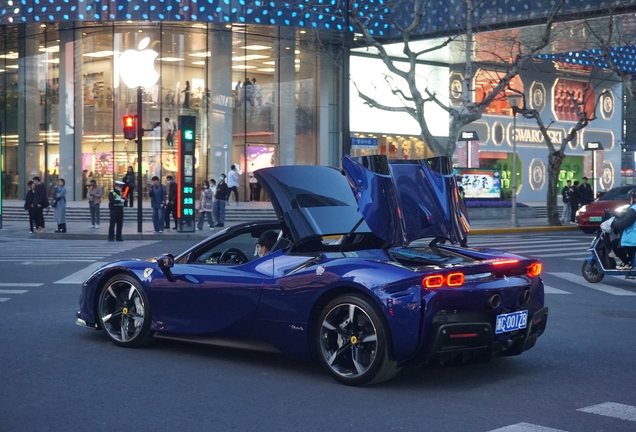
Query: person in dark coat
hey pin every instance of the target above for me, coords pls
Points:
(587, 195)
(129, 181)
(40, 202)
(222, 192)
(116, 203)
(171, 205)
(566, 193)
(575, 199)
(28, 205)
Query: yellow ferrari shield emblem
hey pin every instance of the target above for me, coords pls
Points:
(147, 273)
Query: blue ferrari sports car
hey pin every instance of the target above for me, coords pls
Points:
(362, 272)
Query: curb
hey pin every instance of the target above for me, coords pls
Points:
(521, 230)
(126, 237)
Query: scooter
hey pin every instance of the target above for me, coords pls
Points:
(601, 262)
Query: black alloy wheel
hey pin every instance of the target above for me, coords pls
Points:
(352, 342)
(124, 312)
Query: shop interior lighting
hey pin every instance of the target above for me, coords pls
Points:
(201, 54)
(171, 59)
(99, 54)
(272, 62)
(200, 62)
(243, 67)
(266, 69)
(257, 47)
(250, 57)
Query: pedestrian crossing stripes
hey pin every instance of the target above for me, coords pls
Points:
(595, 286)
(574, 247)
(607, 409)
(39, 250)
(7, 291)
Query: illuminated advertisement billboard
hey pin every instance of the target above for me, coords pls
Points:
(479, 183)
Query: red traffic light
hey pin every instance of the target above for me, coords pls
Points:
(130, 127)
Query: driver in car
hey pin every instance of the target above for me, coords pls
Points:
(265, 243)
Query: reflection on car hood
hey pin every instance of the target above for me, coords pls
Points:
(402, 201)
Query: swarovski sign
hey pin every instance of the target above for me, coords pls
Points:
(533, 135)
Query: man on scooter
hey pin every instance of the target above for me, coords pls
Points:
(627, 225)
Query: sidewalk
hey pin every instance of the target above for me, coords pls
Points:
(81, 230)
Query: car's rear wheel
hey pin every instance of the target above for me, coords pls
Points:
(591, 272)
(124, 312)
(352, 342)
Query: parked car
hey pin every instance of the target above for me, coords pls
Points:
(588, 217)
(364, 276)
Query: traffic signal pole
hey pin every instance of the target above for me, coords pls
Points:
(140, 134)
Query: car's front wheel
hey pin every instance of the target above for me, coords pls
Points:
(591, 272)
(124, 311)
(352, 342)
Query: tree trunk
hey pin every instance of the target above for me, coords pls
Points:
(554, 167)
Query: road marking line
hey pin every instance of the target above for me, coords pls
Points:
(532, 243)
(50, 260)
(3, 299)
(80, 276)
(13, 291)
(551, 290)
(582, 253)
(598, 286)
(612, 409)
(526, 427)
(17, 284)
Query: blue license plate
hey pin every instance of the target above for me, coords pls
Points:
(512, 321)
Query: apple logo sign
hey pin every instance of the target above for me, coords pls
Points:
(137, 67)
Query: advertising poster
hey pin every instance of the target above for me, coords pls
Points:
(480, 183)
(260, 156)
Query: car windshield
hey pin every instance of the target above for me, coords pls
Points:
(617, 194)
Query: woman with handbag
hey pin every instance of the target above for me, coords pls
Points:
(59, 203)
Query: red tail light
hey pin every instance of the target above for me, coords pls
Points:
(455, 279)
(433, 281)
(535, 269)
(436, 280)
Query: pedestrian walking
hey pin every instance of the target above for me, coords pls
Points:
(129, 181)
(206, 202)
(575, 199)
(233, 183)
(158, 197)
(59, 202)
(116, 202)
(171, 206)
(220, 197)
(186, 92)
(40, 202)
(95, 193)
(28, 205)
(566, 193)
(587, 195)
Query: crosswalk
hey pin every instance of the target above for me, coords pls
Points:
(543, 247)
(615, 410)
(4, 292)
(28, 251)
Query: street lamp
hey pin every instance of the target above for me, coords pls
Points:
(514, 99)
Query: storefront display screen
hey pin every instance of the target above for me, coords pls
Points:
(480, 183)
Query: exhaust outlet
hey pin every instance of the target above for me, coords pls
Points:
(493, 302)
(525, 296)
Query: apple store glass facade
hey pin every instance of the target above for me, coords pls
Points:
(262, 96)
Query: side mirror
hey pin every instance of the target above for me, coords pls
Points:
(165, 263)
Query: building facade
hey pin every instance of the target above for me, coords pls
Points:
(262, 95)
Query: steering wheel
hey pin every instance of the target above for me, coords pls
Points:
(233, 255)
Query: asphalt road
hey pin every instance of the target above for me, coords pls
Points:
(55, 375)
